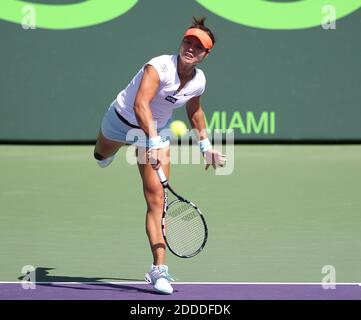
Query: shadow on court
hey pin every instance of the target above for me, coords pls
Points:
(43, 278)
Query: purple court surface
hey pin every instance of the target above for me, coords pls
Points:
(182, 291)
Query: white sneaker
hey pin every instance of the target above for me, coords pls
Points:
(159, 278)
(105, 162)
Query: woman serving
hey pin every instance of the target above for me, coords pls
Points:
(163, 84)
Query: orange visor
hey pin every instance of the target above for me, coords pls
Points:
(203, 37)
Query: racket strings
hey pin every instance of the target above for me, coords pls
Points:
(185, 230)
(184, 247)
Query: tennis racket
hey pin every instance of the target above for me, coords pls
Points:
(183, 225)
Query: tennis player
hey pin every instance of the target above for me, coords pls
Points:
(164, 83)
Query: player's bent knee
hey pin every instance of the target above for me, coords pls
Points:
(98, 156)
(155, 201)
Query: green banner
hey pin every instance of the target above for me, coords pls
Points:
(285, 70)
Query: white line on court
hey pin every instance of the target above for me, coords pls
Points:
(197, 283)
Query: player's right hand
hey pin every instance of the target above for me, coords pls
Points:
(153, 157)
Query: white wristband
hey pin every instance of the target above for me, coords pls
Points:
(157, 143)
(205, 145)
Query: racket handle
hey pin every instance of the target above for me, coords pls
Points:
(161, 175)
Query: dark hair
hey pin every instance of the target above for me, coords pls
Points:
(199, 24)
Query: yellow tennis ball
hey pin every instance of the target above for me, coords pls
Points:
(178, 128)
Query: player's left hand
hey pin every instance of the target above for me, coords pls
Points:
(214, 158)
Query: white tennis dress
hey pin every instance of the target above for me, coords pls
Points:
(165, 101)
(162, 106)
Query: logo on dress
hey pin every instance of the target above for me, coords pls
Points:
(171, 99)
(164, 68)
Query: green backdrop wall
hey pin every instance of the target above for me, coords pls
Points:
(265, 83)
